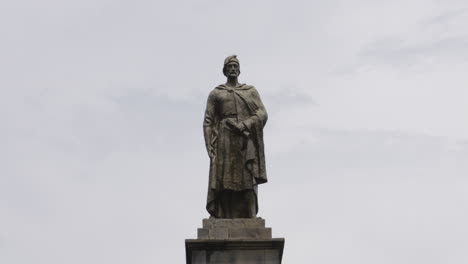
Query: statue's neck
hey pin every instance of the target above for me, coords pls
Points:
(232, 82)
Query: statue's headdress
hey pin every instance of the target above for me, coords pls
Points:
(232, 58)
(229, 59)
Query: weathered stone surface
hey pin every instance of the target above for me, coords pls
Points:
(203, 233)
(219, 233)
(234, 241)
(234, 229)
(250, 233)
(198, 256)
(233, 223)
(272, 256)
(269, 251)
(233, 130)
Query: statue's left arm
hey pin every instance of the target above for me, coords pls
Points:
(260, 115)
(209, 123)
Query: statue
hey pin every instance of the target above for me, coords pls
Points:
(233, 131)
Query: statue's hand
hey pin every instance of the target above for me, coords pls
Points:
(241, 126)
(231, 124)
(236, 126)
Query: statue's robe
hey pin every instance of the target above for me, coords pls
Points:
(238, 164)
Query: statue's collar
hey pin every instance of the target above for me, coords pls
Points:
(242, 86)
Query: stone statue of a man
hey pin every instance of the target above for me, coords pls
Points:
(233, 130)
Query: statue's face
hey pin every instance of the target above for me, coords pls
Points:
(232, 69)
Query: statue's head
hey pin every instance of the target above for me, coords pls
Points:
(231, 66)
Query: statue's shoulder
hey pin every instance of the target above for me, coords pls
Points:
(242, 87)
(220, 87)
(247, 87)
(216, 90)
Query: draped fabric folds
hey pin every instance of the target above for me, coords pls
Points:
(237, 163)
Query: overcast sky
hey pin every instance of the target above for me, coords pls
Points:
(103, 159)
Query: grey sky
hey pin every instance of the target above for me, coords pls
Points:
(103, 161)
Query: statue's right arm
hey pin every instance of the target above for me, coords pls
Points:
(208, 123)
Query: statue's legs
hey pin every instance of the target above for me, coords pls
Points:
(224, 204)
(237, 204)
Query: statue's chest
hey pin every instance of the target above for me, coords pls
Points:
(230, 102)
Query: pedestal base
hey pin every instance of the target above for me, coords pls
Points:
(234, 241)
(211, 251)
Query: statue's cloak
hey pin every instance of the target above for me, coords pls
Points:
(238, 162)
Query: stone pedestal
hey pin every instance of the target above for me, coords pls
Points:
(234, 241)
